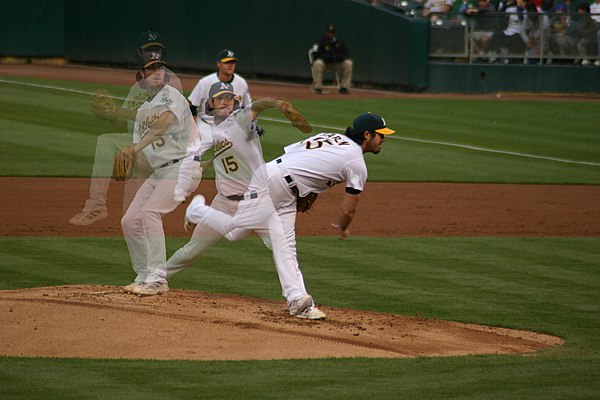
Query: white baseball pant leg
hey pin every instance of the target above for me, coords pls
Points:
(254, 214)
(202, 238)
(106, 147)
(142, 223)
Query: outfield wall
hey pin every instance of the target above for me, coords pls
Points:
(492, 78)
(32, 28)
(271, 38)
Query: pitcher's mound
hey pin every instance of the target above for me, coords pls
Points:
(103, 322)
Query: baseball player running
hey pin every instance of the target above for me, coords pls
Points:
(166, 136)
(243, 197)
(122, 119)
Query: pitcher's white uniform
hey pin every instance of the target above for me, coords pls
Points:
(106, 146)
(312, 165)
(323, 160)
(173, 156)
(242, 201)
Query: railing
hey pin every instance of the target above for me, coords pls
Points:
(540, 38)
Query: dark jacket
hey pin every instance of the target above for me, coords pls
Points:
(331, 50)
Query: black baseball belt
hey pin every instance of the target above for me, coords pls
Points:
(289, 180)
(175, 161)
(240, 197)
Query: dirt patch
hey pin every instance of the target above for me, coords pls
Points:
(104, 322)
(43, 206)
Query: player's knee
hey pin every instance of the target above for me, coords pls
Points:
(149, 216)
(129, 221)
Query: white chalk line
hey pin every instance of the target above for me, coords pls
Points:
(395, 137)
(62, 89)
(458, 145)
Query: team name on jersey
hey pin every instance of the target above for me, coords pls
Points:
(135, 102)
(222, 145)
(330, 139)
(147, 123)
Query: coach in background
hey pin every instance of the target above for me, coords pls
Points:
(331, 55)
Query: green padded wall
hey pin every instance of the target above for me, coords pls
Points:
(32, 28)
(271, 37)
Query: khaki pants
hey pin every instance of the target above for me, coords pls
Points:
(319, 67)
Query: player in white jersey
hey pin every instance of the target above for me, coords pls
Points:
(311, 166)
(226, 64)
(199, 98)
(166, 136)
(109, 143)
(243, 199)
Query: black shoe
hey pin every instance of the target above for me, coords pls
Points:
(344, 91)
(318, 91)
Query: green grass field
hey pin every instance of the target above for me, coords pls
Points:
(549, 285)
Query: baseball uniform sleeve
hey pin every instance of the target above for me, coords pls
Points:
(356, 173)
(196, 97)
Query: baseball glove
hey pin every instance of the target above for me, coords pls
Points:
(298, 121)
(305, 204)
(123, 164)
(103, 106)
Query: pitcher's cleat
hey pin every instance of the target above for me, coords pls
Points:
(297, 306)
(151, 288)
(312, 313)
(85, 217)
(130, 288)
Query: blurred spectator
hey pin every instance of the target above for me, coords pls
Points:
(485, 23)
(537, 4)
(513, 40)
(595, 10)
(331, 55)
(583, 33)
(571, 5)
(559, 39)
(534, 32)
(437, 6)
(461, 6)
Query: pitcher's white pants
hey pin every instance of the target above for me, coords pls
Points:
(106, 147)
(142, 223)
(225, 216)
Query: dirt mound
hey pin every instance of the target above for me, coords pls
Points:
(104, 322)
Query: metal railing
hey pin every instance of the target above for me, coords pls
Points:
(540, 38)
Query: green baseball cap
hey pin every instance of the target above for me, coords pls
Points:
(149, 39)
(226, 55)
(152, 57)
(220, 88)
(372, 123)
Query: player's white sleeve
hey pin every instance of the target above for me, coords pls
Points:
(356, 174)
(197, 95)
(246, 100)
